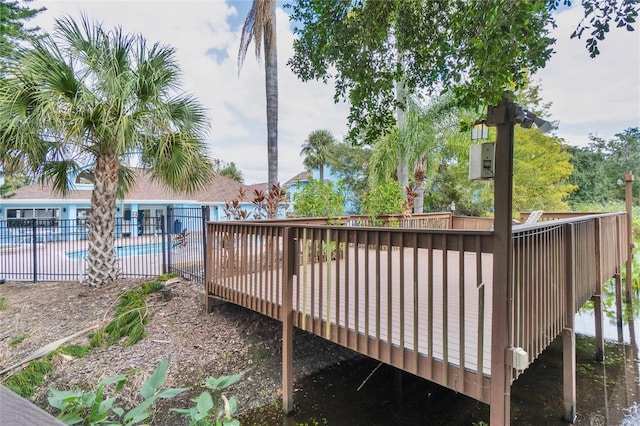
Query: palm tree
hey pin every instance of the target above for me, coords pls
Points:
(86, 95)
(261, 26)
(317, 150)
(419, 142)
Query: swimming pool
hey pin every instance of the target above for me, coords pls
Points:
(122, 251)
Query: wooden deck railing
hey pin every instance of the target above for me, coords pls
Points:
(418, 299)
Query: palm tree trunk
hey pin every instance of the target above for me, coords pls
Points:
(403, 167)
(321, 172)
(271, 82)
(102, 263)
(419, 176)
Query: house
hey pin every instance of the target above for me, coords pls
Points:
(136, 214)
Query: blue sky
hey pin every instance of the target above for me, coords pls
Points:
(599, 95)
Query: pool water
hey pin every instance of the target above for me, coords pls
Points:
(122, 251)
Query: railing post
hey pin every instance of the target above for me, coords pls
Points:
(503, 117)
(568, 333)
(287, 320)
(628, 182)
(170, 231)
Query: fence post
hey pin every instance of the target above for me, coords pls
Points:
(206, 212)
(34, 228)
(163, 234)
(287, 320)
(568, 332)
(170, 214)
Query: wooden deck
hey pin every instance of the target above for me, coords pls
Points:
(418, 299)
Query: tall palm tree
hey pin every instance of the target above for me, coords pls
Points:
(261, 26)
(317, 150)
(86, 95)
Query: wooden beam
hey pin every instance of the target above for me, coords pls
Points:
(503, 118)
(628, 181)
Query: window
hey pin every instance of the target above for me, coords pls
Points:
(82, 216)
(20, 218)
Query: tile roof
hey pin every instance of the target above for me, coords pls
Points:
(219, 190)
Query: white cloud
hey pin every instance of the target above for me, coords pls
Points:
(592, 95)
(207, 49)
(589, 95)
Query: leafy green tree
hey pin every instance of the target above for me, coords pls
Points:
(478, 48)
(541, 169)
(317, 150)
(87, 95)
(319, 199)
(350, 164)
(13, 181)
(618, 155)
(260, 26)
(229, 170)
(12, 28)
(589, 177)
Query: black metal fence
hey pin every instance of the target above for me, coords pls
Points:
(56, 249)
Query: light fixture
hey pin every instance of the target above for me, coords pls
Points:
(479, 131)
(526, 118)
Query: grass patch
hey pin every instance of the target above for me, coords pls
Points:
(77, 351)
(131, 317)
(166, 277)
(3, 303)
(26, 382)
(15, 342)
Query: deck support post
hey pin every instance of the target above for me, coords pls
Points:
(569, 374)
(628, 183)
(568, 333)
(287, 321)
(502, 117)
(597, 297)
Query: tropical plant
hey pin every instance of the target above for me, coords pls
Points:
(87, 95)
(91, 408)
(419, 142)
(318, 150)
(260, 26)
(216, 409)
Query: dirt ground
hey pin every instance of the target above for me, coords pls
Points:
(197, 344)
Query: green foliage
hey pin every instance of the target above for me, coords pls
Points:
(3, 303)
(131, 316)
(383, 198)
(213, 408)
(228, 170)
(15, 342)
(372, 47)
(589, 177)
(541, 168)
(92, 408)
(349, 164)
(319, 199)
(77, 351)
(452, 184)
(25, 382)
(12, 27)
(166, 277)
